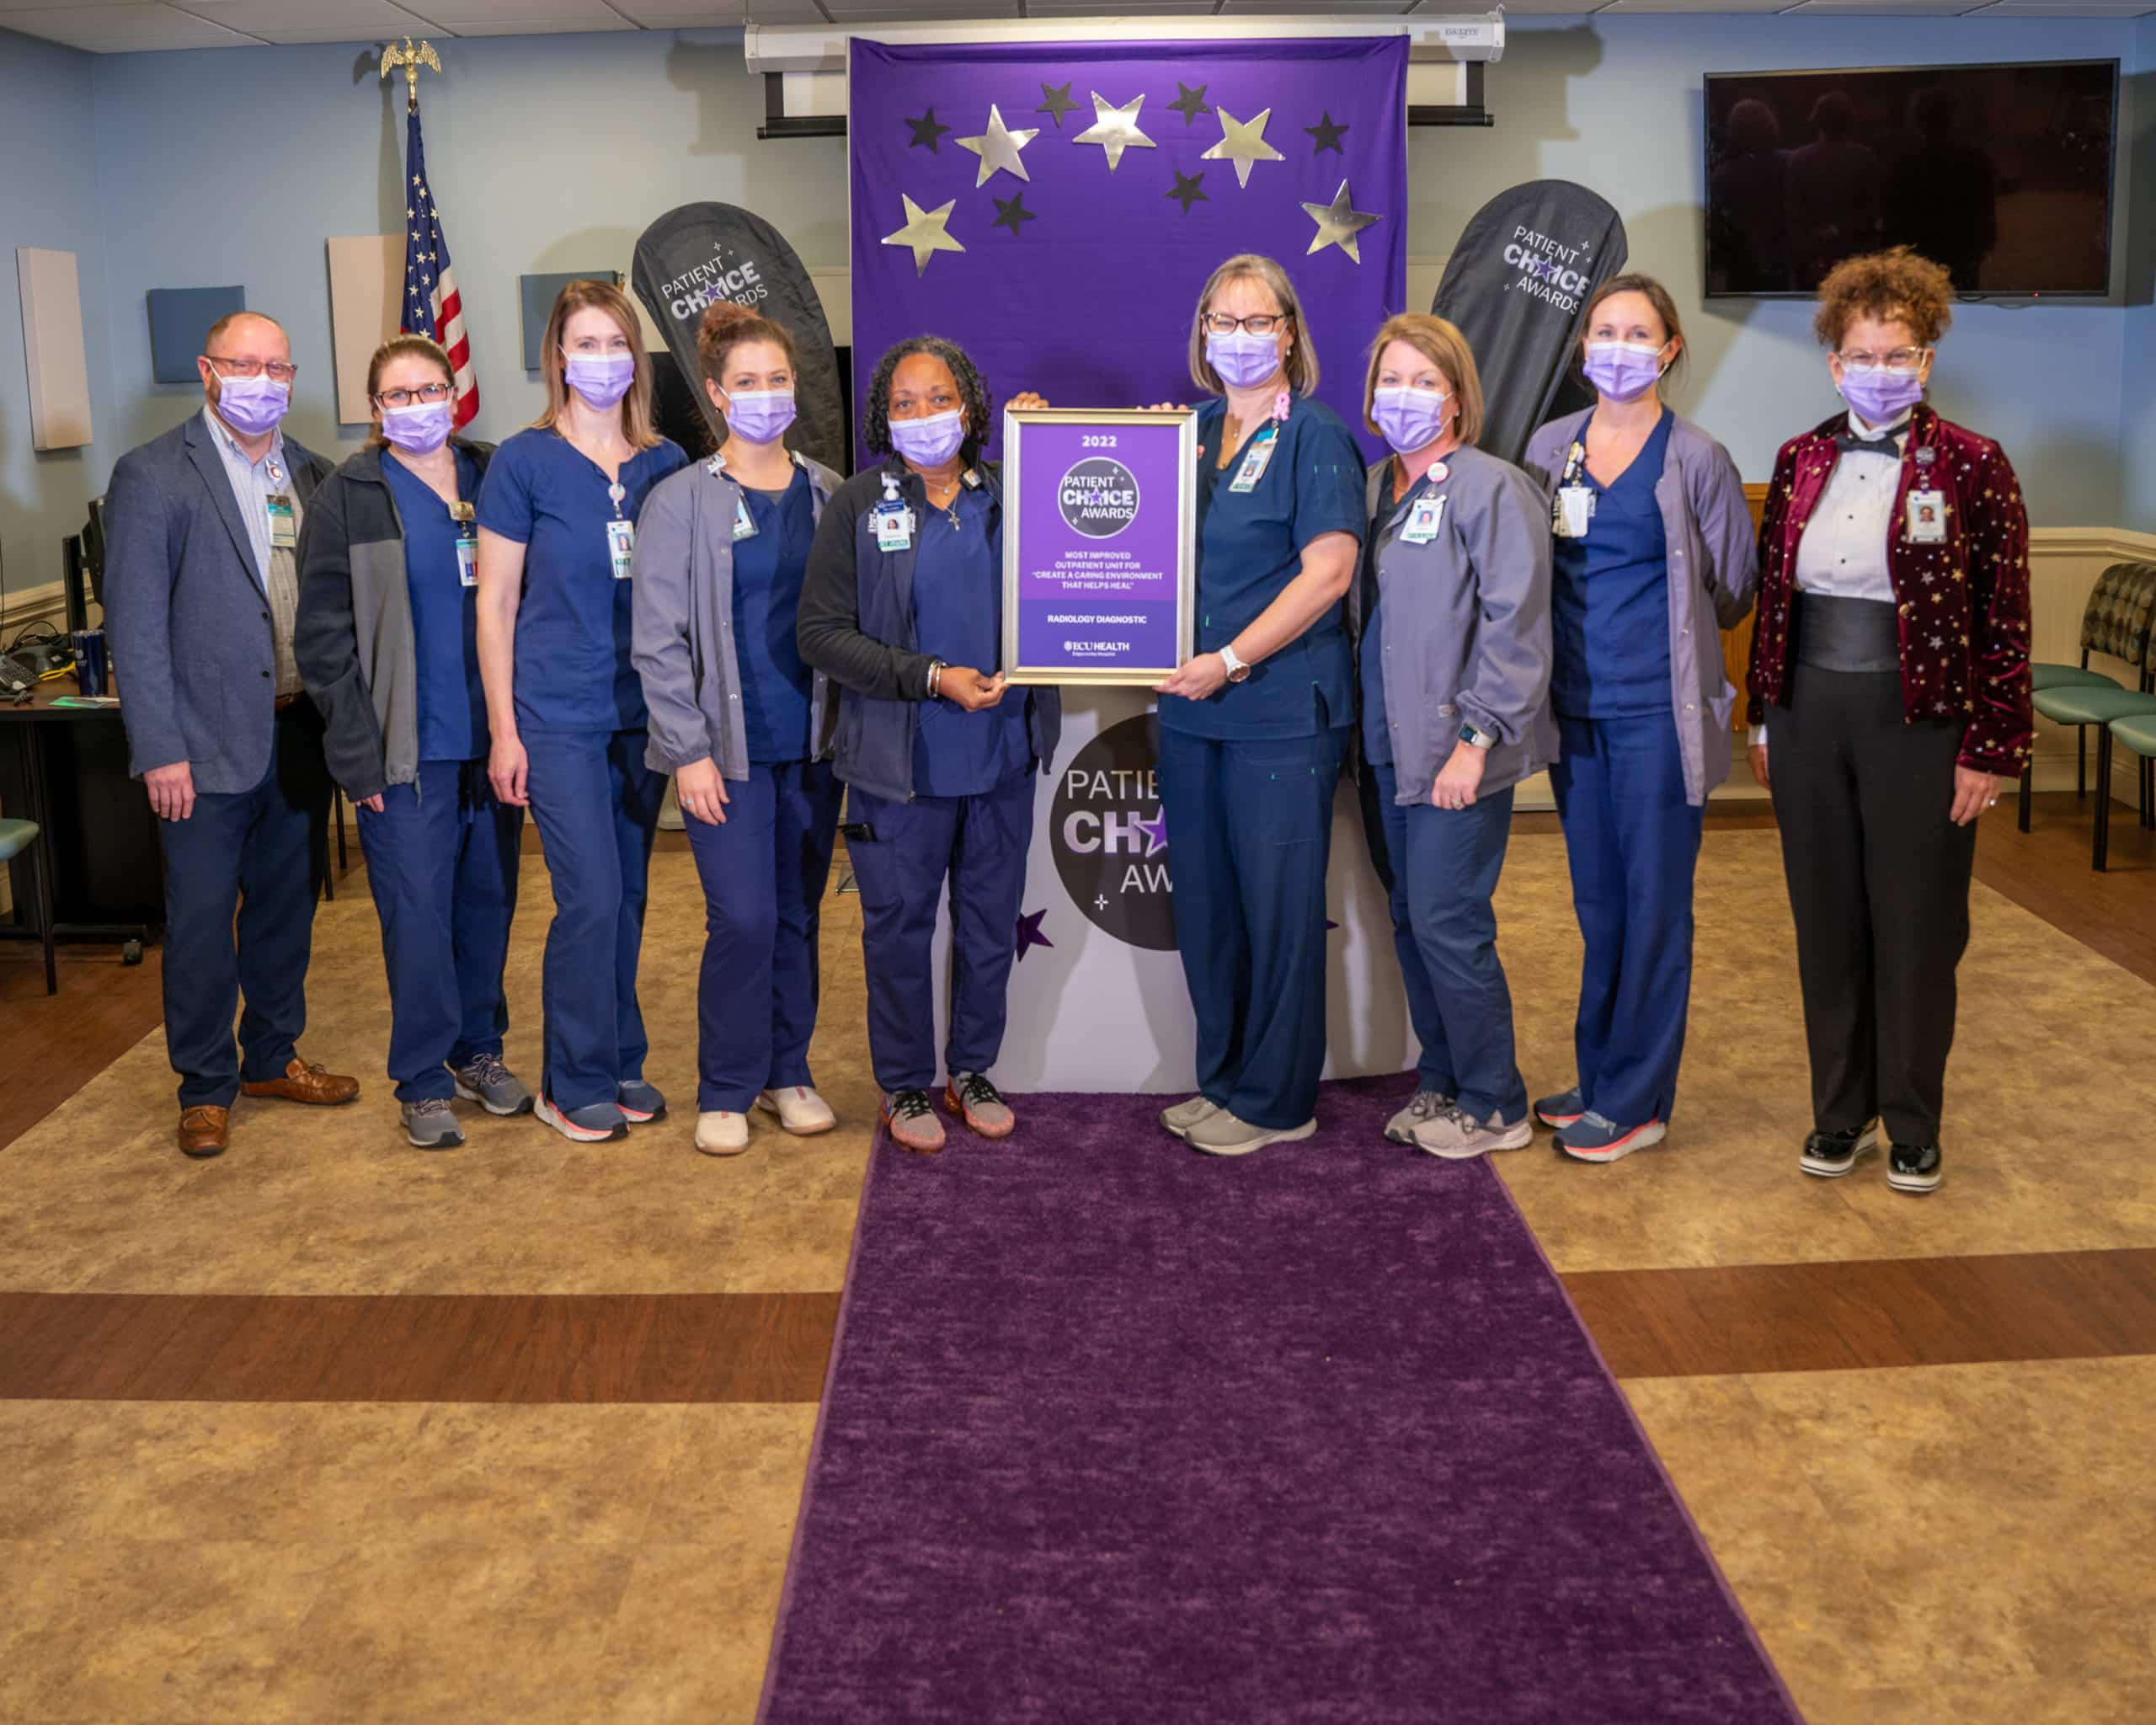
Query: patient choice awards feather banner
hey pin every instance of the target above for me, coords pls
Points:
(1054, 208)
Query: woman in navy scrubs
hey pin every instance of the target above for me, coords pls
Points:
(1254, 728)
(1654, 556)
(385, 640)
(557, 543)
(903, 609)
(742, 724)
(1452, 617)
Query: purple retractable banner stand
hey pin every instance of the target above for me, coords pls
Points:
(1098, 545)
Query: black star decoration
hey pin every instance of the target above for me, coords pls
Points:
(925, 130)
(1189, 104)
(1011, 212)
(1328, 134)
(1186, 191)
(1058, 104)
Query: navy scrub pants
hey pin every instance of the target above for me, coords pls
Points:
(442, 862)
(1440, 869)
(1249, 834)
(979, 845)
(253, 853)
(763, 871)
(1633, 842)
(596, 805)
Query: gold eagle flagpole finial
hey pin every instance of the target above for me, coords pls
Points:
(411, 59)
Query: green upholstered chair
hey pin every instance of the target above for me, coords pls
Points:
(2137, 731)
(19, 838)
(2117, 622)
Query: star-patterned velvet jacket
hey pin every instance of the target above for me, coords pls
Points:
(1963, 604)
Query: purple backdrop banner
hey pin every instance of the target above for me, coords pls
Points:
(1078, 278)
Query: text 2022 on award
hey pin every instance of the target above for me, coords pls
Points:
(1099, 544)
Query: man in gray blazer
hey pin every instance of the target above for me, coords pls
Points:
(201, 586)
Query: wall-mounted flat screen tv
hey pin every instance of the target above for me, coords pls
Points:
(2001, 173)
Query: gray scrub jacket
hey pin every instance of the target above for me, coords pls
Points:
(1466, 636)
(682, 623)
(1714, 573)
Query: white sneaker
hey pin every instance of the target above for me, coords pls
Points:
(1457, 1136)
(1184, 1115)
(721, 1132)
(799, 1109)
(1423, 1105)
(1222, 1134)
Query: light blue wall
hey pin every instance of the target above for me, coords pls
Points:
(1616, 103)
(47, 200)
(2137, 396)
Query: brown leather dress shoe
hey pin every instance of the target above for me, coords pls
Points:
(205, 1131)
(307, 1083)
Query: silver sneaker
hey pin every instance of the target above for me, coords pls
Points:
(1458, 1136)
(486, 1081)
(431, 1124)
(1423, 1105)
(1221, 1133)
(1180, 1118)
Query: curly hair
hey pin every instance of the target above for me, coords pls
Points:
(726, 326)
(973, 390)
(1886, 286)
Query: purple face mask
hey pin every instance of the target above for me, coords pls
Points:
(1243, 361)
(760, 416)
(252, 405)
(929, 442)
(1879, 396)
(1622, 370)
(420, 429)
(1409, 417)
(601, 379)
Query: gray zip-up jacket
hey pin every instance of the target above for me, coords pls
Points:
(1713, 574)
(1466, 634)
(682, 629)
(352, 636)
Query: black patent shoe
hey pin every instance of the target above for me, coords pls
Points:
(1830, 1154)
(1914, 1167)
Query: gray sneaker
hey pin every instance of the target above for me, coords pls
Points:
(640, 1103)
(486, 1081)
(431, 1124)
(1180, 1118)
(1423, 1105)
(595, 1123)
(1457, 1136)
(1221, 1133)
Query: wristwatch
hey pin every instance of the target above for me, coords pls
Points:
(1237, 671)
(1479, 740)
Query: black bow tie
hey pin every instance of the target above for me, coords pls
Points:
(1887, 442)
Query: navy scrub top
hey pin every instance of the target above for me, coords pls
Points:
(768, 567)
(572, 627)
(1250, 546)
(1377, 731)
(1610, 596)
(958, 612)
(452, 705)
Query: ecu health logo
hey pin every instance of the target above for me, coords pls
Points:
(1098, 497)
(1110, 839)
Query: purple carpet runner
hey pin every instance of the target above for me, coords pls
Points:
(1119, 1434)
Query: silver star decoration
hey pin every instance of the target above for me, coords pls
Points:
(1243, 143)
(925, 232)
(1338, 224)
(1115, 130)
(998, 149)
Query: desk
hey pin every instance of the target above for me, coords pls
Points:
(66, 768)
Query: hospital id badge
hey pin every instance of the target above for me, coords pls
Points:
(467, 559)
(1423, 516)
(1254, 465)
(1927, 517)
(284, 526)
(621, 547)
(744, 524)
(1575, 510)
(893, 527)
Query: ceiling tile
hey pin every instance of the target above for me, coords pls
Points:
(2069, 9)
(687, 14)
(1884, 9)
(104, 21)
(456, 13)
(358, 19)
(543, 26)
(1711, 6)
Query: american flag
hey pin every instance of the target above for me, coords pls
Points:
(431, 305)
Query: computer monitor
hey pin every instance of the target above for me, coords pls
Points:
(82, 568)
(93, 549)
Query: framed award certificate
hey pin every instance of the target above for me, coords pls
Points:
(1100, 544)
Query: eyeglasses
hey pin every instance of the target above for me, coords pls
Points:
(428, 393)
(1258, 324)
(278, 370)
(1902, 359)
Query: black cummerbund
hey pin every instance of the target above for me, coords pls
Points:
(1846, 634)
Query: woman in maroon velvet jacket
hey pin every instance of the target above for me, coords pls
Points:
(1889, 685)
